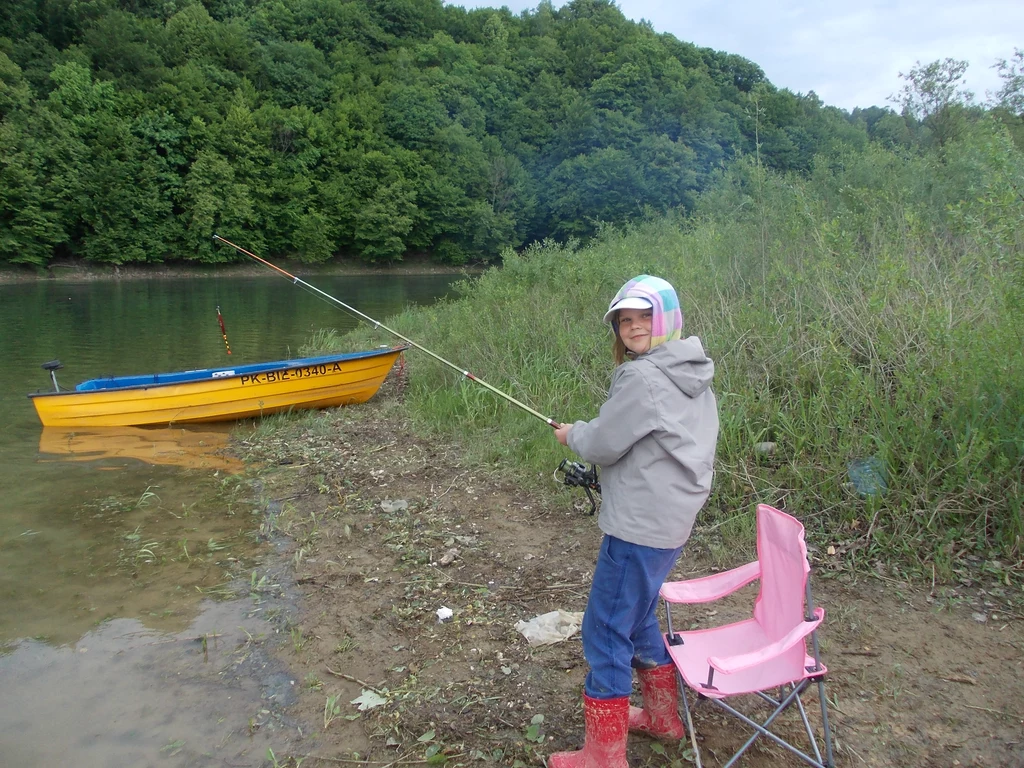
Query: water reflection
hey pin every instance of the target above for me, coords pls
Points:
(112, 447)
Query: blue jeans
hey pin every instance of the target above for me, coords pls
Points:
(620, 627)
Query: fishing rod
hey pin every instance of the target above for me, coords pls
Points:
(223, 332)
(378, 324)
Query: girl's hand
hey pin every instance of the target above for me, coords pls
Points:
(562, 433)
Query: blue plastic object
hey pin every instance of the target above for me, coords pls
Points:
(869, 477)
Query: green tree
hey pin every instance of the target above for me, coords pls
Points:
(294, 72)
(122, 204)
(36, 58)
(1008, 101)
(375, 203)
(669, 174)
(407, 18)
(15, 93)
(127, 48)
(291, 206)
(413, 115)
(496, 34)
(936, 95)
(1010, 95)
(217, 202)
(191, 34)
(30, 224)
(128, 214)
(582, 192)
(19, 18)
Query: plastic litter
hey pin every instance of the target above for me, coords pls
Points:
(552, 627)
(868, 477)
(396, 505)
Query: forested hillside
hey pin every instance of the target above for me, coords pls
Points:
(132, 130)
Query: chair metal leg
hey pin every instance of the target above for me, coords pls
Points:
(689, 720)
(761, 729)
(827, 731)
(807, 727)
(769, 699)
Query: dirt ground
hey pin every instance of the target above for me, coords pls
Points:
(387, 528)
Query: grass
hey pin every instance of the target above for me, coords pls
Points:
(869, 313)
(348, 643)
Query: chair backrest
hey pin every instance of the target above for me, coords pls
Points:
(782, 553)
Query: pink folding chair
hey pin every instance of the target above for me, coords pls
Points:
(761, 654)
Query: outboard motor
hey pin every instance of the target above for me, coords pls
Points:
(53, 366)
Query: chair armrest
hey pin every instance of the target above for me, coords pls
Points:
(729, 664)
(708, 588)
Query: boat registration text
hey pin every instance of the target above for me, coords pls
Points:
(290, 374)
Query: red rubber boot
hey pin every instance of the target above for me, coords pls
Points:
(660, 716)
(607, 725)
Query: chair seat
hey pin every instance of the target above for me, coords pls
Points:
(691, 659)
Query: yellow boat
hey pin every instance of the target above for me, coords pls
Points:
(166, 446)
(216, 394)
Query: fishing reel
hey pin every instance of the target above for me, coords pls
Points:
(579, 476)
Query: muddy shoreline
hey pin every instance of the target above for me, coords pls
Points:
(389, 527)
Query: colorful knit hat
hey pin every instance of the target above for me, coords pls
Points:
(667, 320)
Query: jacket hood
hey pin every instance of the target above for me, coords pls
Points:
(685, 364)
(667, 318)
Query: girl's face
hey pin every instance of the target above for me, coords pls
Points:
(635, 329)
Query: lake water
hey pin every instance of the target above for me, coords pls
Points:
(106, 540)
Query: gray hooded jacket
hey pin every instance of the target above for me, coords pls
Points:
(654, 440)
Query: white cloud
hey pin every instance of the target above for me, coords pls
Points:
(849, 53)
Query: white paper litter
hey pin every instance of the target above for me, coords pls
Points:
(368, 700)
(552, 627)
(443, 614)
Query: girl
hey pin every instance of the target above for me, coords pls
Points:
(654, 439)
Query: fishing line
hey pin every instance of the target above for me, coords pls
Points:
(377, 324)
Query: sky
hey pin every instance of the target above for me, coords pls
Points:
(850, 54)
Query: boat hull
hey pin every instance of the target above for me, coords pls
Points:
(212, 395)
